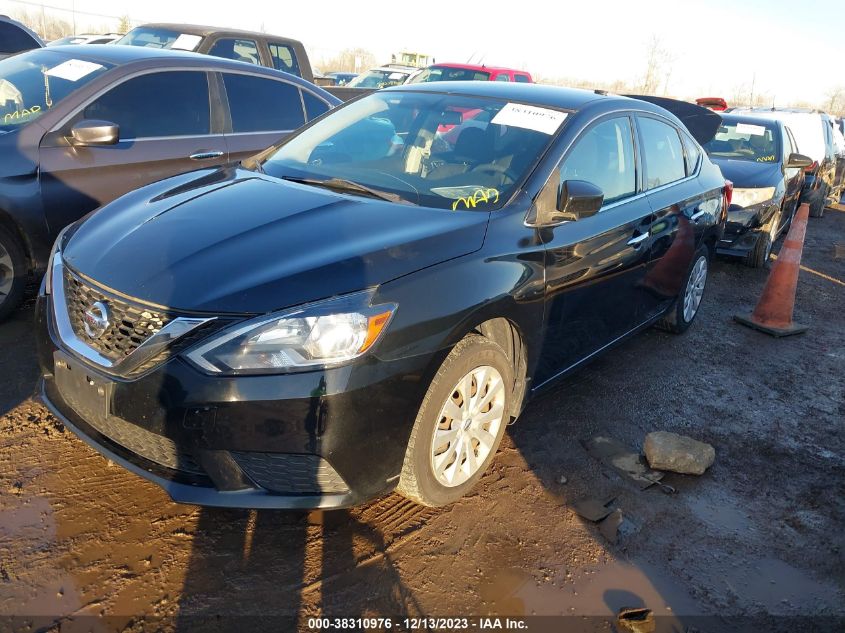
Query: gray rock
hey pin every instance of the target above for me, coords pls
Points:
(678, 453)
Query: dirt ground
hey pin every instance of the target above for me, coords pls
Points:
(760, 533)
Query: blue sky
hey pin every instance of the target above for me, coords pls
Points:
(790, 51)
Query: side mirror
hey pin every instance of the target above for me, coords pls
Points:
(799, 161)
(579, 199)
(91, 132)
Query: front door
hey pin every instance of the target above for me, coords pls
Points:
(165, 127)
(595, 266)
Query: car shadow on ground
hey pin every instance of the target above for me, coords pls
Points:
(20, 370)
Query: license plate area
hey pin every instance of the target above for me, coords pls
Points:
(85, 392)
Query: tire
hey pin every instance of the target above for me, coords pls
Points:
(427, 464)
(13, 272)
(678, 318)
(758, 257)
(817, 203)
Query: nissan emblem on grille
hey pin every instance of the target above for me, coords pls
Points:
(96, 320)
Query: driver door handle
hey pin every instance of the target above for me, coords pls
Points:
(697, 215)
(205, 155)
(636, 241)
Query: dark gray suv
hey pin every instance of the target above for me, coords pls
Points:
(82, 125)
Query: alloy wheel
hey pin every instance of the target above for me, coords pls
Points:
(695, 288)
(468, 425)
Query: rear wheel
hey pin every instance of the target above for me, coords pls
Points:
(13, 272)
(683, 312)
(460, 424)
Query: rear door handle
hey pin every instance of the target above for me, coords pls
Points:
(697, 215)
(205, 155)
(636, 241)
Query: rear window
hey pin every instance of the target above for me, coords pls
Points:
(524, 79)
(446, 73)
(314, 106)
(239, 50)
(749, 140)
(263, 105)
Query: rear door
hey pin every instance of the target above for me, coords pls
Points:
(166, 128)
(595, 266)
(671, 161)
(262, 111)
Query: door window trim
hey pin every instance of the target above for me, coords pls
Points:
(662, 119)
(59, 127)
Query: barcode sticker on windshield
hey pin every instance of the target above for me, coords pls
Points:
(73, 69)
(747, 128)
(186, 42)
(530, 117)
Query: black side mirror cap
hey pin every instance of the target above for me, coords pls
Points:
(579, 199)
(92, 132)
(798, 161)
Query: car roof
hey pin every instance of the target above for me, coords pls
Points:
(118, 55)
(538, 94)
(477, 67)
(205, 31)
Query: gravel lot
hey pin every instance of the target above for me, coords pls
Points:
(760, 533)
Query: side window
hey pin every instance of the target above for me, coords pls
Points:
(314, 106)
(522, 78)
(502, 77)
(664, 158)
(239, 50)
(693, 154)
(284, 58)
(14, 40)
(788, 147)
(604, 156)
(262, 105)
(159, 104)
(792, 140)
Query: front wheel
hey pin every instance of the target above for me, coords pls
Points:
(685, 308)
(460, 424)
(13, 271)
(818, 202)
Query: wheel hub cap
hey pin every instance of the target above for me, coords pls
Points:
(467, 426)
(695, 288)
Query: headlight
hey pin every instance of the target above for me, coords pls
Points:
(317, 335)
(750, 197)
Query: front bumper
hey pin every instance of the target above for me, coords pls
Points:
(744, 227)
(321, 439)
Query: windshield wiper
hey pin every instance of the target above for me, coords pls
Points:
(341, 184)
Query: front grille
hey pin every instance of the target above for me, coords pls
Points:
(130, 325)
(155, 448)
(289, 473)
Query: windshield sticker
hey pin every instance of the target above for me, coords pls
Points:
(530, 117)
(186, 42)
(73, 69)
(747, 128)
(478, 196)
(766, 159)
(20, 114)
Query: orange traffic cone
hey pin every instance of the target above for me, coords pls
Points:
(773, 314)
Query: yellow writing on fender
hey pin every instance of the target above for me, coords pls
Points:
(480, 195)
(766, 159)
(20, 114)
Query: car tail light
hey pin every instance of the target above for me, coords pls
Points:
(811, 168)
(729, 193)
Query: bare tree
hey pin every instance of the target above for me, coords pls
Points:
(658, 71)
(352, 60)
(125, 24)
(835, 101)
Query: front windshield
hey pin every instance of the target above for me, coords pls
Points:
(32, 83)
(444, 151)
(737, 140)
(378, 79)
(446, 73)
(160, 38)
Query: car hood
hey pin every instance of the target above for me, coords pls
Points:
(746, 173)
(235, 241)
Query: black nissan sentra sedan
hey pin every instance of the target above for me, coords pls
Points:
(760, 156)
(366, 306)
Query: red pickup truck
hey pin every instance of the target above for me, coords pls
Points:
(470, 72)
